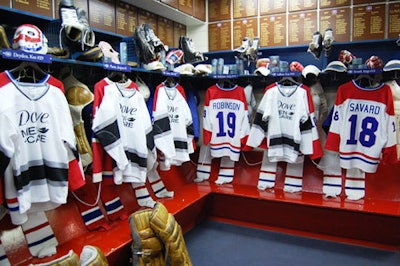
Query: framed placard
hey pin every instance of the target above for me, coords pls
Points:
(219, 10)
(244, 28)
(394, 20)
(268, 7)
(199, 9)
(173, 3)
(186, 6)
(127, 16)
(300, 5)
(40, 7)
(302, 26)
(369, 22)
(102, 15)
(338, 19)
(219, 36)
(365, 2)
(179, 30)
(5, 3)
(149, 18)
(244, 8)
(165, 31)
(333, 3)
(273, 30)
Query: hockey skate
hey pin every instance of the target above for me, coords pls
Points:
(75, 29)
(315, 47)
(190, 55)
(153, 40)
(144, 51)
(242, 50)
(252, 51)
(328, 41)
(398, 41)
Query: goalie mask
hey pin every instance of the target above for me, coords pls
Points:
(29, 38)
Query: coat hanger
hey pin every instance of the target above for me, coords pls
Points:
(29, 72)
(288, 81)
(226, 83)
(117, 76)
(170, 82)
(365, 80)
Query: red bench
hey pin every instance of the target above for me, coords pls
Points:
(372, 221)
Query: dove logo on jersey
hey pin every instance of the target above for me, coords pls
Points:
(32, 131)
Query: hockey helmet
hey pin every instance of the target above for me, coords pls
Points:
(374, 62)
(296, 66)
(29, 38)
(392, 65)
(310, 69)
(336, 66)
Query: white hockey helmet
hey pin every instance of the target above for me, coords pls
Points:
(392, 65)
(310, 69)
(336, 66)
(29, 38)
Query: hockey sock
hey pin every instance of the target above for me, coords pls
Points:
(204, 164)
(355, 184)
(332, 185)
(332, 180)
(39, 235)
(142, 195)
(111, 200)
(226, 171)
(266, 178)
(155, 180)
(3, 256)
(87, 200)
(294, 177)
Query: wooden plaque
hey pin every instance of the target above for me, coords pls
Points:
(368, 22)
(365, 2)
(338, 20)
(179, 30)
(268, 7)
(199, 9)
(82, 4)
(301, 27)
(40, 7)
(300, 5)
(244, 28)
(149, 18)
(173, 3)
(219, 10)
(5, 3)
(127, 16)
(165, 31)
(219, 36)
(102, 15)
(394, 20)
(186, 6)
(244, 8)
(273, 30)
(333, 3)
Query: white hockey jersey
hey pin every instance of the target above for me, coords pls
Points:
(285, 120)
(363, 127)
(225, 121)
(122, 125)
(172, 100)
(37, 144)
